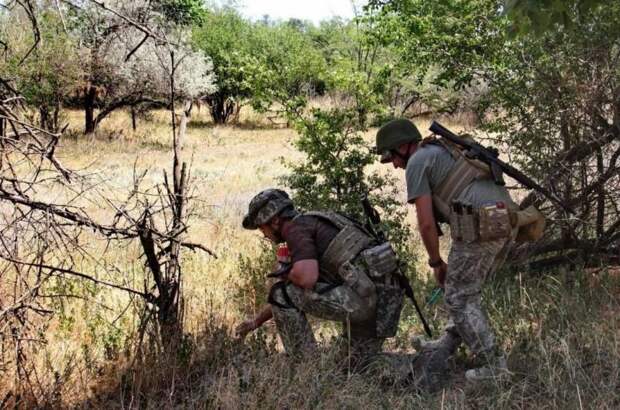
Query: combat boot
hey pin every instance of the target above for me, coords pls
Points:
(498, 370)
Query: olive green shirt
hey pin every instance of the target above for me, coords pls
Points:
(431, 164)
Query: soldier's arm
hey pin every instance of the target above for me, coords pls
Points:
(249, 325)
(430, 237)
(427, 226)
(304, 273)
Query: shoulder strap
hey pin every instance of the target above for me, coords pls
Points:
(338, 220)
(464, 172)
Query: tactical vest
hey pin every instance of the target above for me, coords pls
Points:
(463, 173)
(346, 245)
(530, 222)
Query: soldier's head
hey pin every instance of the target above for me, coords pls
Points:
(267, 212)
(396, 141)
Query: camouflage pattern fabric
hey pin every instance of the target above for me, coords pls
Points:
(469, 265)
(264, 206)
(389, 305)
(324, 301)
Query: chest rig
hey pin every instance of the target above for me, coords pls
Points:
(464, 172)
(348, 243)
(530, 222)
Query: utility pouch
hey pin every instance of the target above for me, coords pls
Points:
(494, 222)
(464, 223)
(355, 277)
(389, 306)
(380, 260)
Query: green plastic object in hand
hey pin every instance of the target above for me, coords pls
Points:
(434, 296)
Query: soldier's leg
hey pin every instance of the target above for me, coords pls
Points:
(468, 266)
(343, 304)
(338, 303)
(291, 322)
(361, 343)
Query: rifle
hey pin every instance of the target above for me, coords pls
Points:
(490, 156)
(374, 228)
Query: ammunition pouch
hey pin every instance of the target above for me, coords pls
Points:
(487, 223)
(493, 222)
(380, 260)
(464, 223)
(381, 263)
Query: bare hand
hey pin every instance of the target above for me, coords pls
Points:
(440, 273)
(244, 328)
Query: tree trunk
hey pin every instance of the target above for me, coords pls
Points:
(89, 110)
(43, 117)
(222, 108)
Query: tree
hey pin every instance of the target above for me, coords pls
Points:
(52, 72)
(226, 38)
(333, 175)
(125, 63)
(289, 65)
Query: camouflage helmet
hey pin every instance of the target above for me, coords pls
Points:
(393, 134)
(264, 206)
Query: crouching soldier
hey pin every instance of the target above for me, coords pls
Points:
(339, 272)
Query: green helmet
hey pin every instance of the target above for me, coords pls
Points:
(264, 206)
(393, 134)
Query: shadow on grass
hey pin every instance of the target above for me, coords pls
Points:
(562, 340)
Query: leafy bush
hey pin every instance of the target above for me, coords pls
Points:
(333, 175)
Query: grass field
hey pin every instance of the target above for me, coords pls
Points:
(561, 333)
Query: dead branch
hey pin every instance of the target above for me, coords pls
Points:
(55, 270)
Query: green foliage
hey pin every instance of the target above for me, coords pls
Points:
(50, 73)
(181, 12)
(333, 175)
(544, 15)
(256, 63)
(454, 35)
(291, 65)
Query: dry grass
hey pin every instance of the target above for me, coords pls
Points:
(563, 338)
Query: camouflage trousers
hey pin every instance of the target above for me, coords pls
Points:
(291, 304)
(469, 266)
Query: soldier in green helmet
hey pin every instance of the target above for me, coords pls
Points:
(339, 272)
(445, 186)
